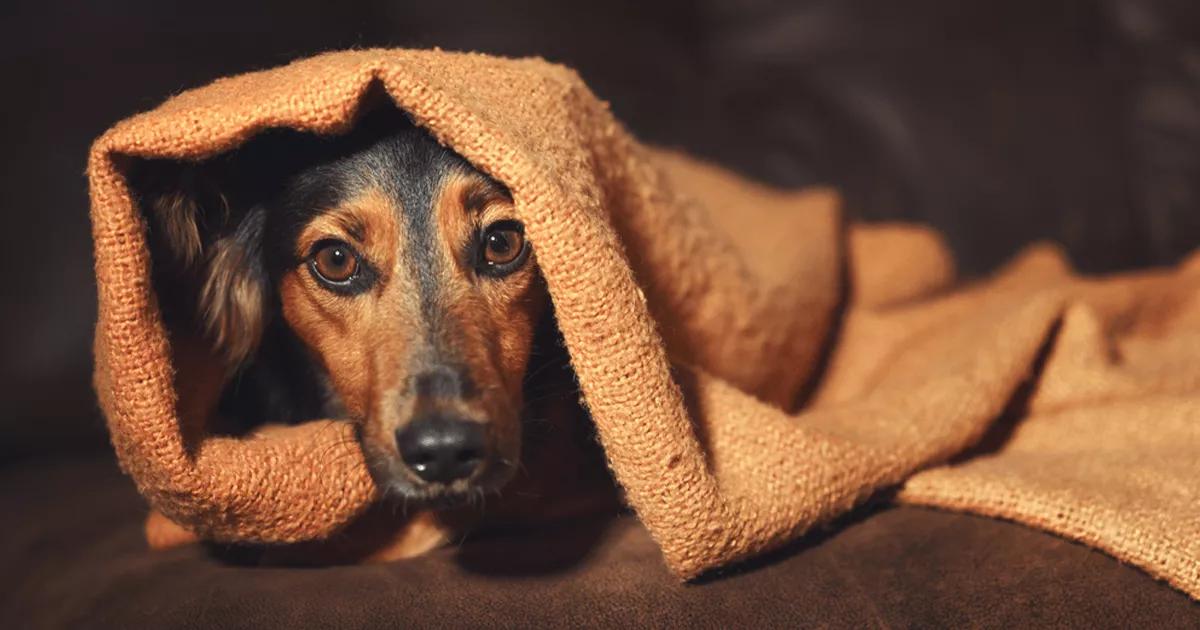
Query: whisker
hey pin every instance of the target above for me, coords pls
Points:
(518, 466)
(537, 371)
(482, 499)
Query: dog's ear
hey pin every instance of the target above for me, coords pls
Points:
(187, 210)
(233, 299)
(208, 247)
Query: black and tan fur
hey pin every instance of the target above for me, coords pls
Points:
(430, 330)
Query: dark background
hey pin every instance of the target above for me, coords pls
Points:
(1000, 122)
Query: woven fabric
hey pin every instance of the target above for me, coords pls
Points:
(698, 310)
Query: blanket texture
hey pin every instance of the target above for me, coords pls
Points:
(753, 366)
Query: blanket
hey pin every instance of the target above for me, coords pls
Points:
(754, 365)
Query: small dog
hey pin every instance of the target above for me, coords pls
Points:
(376, 277)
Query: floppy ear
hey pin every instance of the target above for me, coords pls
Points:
(233, 299)
(187, 208)
(211, 252)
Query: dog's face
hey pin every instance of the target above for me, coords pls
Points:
(407, 277)
(412, 282)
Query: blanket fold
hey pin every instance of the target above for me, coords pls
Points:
(699, 309)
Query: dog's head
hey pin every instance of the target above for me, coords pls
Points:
(404, 273)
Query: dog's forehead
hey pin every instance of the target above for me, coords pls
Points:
(391, 181)
(409, 201)
(406, 167)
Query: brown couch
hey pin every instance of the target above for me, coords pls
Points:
(80, 561)
(1000, 123)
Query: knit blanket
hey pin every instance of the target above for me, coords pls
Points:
(753, 364)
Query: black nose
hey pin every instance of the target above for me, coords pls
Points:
(441, 449)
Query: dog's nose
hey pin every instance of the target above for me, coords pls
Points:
(441, 449)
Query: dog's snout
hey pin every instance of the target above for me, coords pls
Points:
(443, 381)
(441, 449)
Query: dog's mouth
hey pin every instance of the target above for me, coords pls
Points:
(399, 483)
(440, 443)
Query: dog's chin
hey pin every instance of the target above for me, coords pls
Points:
(398, 487)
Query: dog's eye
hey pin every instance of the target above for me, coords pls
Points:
(335, 262)
(503, 248)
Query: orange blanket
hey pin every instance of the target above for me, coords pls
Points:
(1068, 404)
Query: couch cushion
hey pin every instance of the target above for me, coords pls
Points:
(73, 553)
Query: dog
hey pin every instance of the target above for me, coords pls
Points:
(377, 278)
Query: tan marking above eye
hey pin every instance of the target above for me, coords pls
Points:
(336, 262)
(478, 193)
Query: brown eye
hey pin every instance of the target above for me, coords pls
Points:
(335, 262)
(503, 248)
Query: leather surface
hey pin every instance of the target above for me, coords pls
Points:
(74, 557)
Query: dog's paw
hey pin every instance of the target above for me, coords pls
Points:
(163, 533)
(420, 535)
